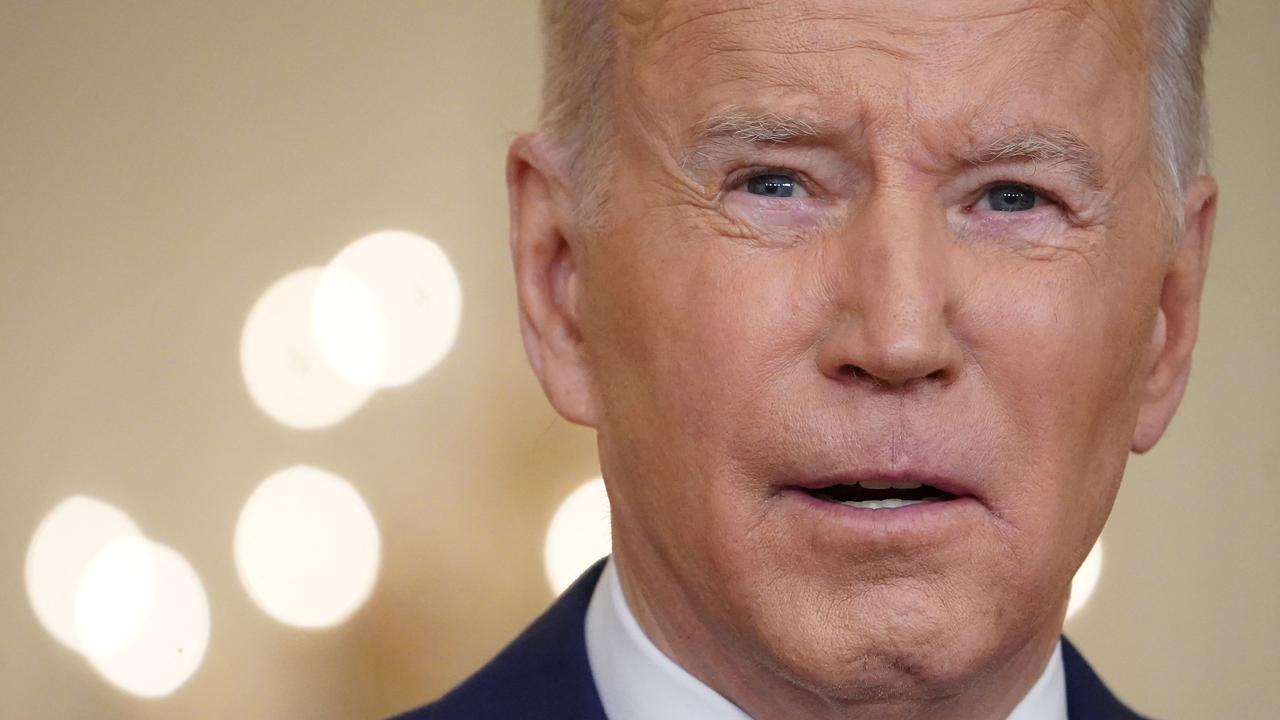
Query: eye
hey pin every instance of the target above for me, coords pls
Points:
(774, 185)
(1010, 197)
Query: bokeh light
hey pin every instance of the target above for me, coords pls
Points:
(165, 649)
(115, 596)
(135, 609)
(419, 298)
(62, 549)
(1085, 580)
(307, 548)
(579, 535)
(349, 328)
(284, 370)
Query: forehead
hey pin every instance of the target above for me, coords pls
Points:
(902, 63)
(664, 24)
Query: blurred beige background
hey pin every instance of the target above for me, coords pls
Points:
(164, 163)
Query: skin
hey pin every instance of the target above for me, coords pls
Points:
(884, 320)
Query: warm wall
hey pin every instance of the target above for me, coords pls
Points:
(163, 163)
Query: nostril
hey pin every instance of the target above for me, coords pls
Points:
(849, 371)
(853, 371)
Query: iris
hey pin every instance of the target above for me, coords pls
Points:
(1012, 198)
(776, 186)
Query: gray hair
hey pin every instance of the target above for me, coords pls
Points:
(1180, 120)
(578, 40)
(579, 37)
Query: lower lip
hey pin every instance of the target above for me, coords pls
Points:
(919, 520)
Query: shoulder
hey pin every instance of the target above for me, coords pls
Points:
(542, 674)
(1088, 697)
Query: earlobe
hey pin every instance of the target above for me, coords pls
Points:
(546, 256)
(1165, 383)
(1178, 317)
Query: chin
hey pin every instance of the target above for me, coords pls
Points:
(900, 641)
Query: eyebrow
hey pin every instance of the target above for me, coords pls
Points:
(733, 125)
(1056, 148)
(755, 127)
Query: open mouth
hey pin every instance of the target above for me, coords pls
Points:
(875, 495)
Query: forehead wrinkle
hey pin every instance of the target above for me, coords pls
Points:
(898, 52)
(966, 13)
(650, 22)
(794, 28)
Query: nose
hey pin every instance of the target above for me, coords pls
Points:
(889, 281)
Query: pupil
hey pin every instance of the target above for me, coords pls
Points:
(771, 186)
(1011, 198)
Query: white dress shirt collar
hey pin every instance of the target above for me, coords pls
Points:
(636, 681)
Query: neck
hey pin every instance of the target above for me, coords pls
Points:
(672, 620)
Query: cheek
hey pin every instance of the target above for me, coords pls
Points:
(1060, 354)
(678, 346)
(703, 333)
(1033, 336)
(691, 340)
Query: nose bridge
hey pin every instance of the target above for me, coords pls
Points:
(891, 281)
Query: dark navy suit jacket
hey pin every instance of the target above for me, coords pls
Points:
(544, 675)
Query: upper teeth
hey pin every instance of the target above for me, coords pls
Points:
(885, 504)
(887, 485)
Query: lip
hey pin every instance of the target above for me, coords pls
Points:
(946, 483)
(929, 522)
(932, 522)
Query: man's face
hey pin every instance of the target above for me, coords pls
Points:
(882, 242)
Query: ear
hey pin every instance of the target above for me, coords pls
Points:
(1178, 318)
(546, 252)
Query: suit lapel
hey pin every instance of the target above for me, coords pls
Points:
(542, 675)
(1087, 696)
